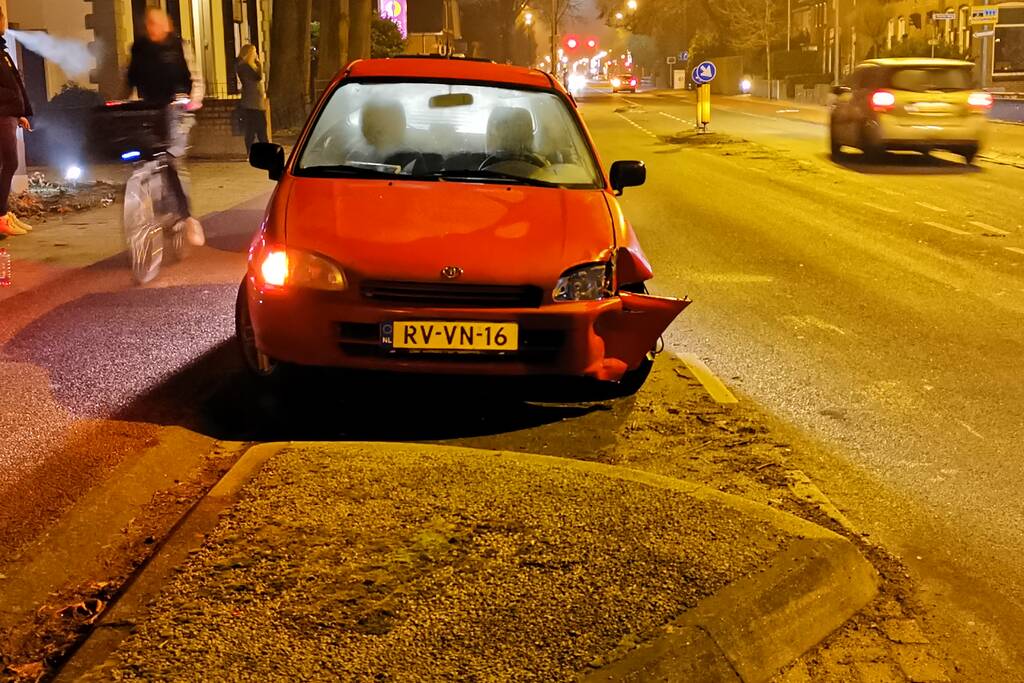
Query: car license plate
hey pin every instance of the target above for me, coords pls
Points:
(450, 336)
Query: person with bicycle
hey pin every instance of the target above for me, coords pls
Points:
(161, 71)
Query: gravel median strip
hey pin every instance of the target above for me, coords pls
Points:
(414, 562)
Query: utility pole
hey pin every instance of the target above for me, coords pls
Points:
(835, 39)
(554, 37)
(987, 44)
(789, 24)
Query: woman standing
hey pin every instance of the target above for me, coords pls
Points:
(254, 96)
(15, 110)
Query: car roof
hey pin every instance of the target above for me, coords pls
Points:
(449, 69)
(917, 61)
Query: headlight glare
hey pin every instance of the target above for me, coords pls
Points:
(587, 283)
(296, 268)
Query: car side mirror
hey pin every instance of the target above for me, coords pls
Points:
(268, 157)
(625, 174)
(841, 90)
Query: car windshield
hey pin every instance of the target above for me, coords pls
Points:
(449, 131)
(924, 79)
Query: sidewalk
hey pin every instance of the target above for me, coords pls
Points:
(65, 242)
(1005, 144)
(413, 562)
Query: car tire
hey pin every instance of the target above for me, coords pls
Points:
(873, 151)
(835, 147)
(267, 371)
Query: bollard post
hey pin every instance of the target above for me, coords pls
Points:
(5, 268)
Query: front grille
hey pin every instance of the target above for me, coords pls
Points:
(452, 295)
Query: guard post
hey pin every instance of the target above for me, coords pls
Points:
(702, 75)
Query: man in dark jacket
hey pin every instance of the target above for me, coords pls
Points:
(162, 74)
(15, 111)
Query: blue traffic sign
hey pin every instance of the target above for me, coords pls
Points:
(695, 75)
(706, 72)
(684, 56)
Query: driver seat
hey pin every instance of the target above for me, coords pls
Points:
(510, 132)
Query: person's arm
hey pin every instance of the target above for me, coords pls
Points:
(198, 85)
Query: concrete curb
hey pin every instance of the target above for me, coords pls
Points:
(746, 632)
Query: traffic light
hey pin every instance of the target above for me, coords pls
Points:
(591, 43)
(572, 42)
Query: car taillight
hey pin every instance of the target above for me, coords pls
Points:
(632, 81)
(980, 100)
(882, 100)
(274, 268)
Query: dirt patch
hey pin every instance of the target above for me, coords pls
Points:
(46, 197)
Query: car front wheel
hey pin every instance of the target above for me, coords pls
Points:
(261, 366)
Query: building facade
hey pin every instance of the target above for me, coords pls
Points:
(911, 27)
(215, 28)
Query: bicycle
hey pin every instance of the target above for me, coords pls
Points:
(156, 205)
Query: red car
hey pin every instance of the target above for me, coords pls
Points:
(448, 216)
(625, 83)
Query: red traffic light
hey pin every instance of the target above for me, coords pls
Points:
(572, 42)
(591, 43)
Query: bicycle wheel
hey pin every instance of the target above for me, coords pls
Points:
(143, 233)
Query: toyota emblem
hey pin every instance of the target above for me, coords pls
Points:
(451, 272)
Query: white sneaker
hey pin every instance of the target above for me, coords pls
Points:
(194, 232)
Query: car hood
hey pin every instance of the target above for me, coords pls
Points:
(410, 230)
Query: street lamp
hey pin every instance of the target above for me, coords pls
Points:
(631, 5)
(528, 18)
(619, 16)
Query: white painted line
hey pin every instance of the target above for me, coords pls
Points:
(879, 207)
(635, 124)
(970, 429)
(675, 118)
(988, 228)
(940, 226)
(1015, 250)
(714, 386)
(931, 206)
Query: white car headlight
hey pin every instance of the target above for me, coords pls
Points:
(592, 282)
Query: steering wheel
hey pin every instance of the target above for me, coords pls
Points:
(527, 157)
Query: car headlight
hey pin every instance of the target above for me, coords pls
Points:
(281, 267)
(616, 82)
(592, 282)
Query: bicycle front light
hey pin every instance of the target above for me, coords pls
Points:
(302, 269)
(591, 282)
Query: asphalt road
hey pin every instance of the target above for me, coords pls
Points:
(877, 308)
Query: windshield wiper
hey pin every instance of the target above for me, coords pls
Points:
(471, 175)
(349, 171)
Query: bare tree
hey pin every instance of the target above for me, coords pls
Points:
(755, 24)
(359, 44)
(871, 21)
(289, 68)
(333, 53)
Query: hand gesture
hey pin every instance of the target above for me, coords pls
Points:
(25, 123)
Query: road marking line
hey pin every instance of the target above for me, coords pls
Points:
(989, 228)
(714, 386)
(970, 429)
(940, 226)
(879, 207)
(676, 118)
(1015, 250)
(931, 206)
(635, 124)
